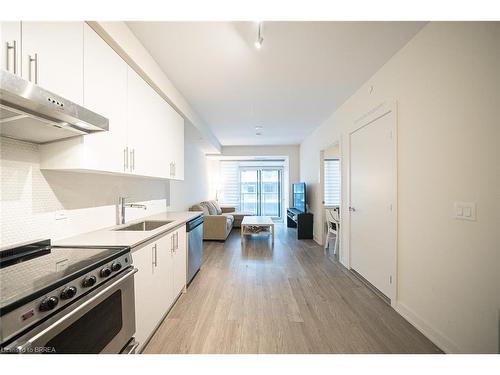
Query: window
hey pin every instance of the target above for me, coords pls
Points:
(253, 186)
(230, 176)
(332, 182)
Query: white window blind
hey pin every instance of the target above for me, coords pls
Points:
(332, 182)
(230, 176)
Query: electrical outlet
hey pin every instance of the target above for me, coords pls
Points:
(60, 215)
(465, 211)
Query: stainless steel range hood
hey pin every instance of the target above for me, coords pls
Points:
(30, 113)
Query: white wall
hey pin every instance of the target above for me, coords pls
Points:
(446, 82)
(195, 187)
(292, 152)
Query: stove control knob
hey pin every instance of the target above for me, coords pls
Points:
(89, 281)
(105, 272)
(68, 292)
(116, 266)
(49, 303)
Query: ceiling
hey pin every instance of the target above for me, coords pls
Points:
(301, 75)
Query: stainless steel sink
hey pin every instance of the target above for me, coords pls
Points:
(145, 225)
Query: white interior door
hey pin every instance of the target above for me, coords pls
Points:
(372, 202)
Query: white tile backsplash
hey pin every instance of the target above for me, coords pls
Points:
(30, 198)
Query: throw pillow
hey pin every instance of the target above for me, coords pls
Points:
(210, 207)
(217, 207)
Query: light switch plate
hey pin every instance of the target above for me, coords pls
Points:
(465, 211)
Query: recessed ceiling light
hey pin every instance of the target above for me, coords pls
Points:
(258, 127)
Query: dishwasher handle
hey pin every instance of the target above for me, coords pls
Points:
(191, 225)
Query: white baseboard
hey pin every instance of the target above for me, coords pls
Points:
(437, 337)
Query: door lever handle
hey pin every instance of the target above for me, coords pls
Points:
(352, 209)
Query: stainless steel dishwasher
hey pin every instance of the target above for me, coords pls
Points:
(194, 229)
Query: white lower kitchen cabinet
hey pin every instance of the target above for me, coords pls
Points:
(179, 261)
(145, 288)
(161, 277)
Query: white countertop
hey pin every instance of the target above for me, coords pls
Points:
(112, 237)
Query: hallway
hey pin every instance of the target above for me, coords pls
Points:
(292, 299)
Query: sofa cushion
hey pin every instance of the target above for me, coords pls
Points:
(229, 217)
(229, 221)
(217, 207)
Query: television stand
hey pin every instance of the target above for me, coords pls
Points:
(302, 221)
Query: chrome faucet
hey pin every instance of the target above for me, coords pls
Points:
(122, 205)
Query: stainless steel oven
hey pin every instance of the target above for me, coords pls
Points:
(102, 321)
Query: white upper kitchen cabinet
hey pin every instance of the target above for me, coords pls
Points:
(105, 92)
(176, 144)
(146, 135)
(10, 54)
(52, 57)
(148, 129)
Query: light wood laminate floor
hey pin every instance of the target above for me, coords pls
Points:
(290, 299)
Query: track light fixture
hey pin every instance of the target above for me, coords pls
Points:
(260, 38)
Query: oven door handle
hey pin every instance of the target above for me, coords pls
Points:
(27, 344)
(131, 347)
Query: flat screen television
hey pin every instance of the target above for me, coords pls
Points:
(299, 196)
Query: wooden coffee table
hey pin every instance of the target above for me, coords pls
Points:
(262, 222)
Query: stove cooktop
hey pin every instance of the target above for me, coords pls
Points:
(31, 270)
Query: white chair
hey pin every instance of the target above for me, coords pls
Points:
(333, 222)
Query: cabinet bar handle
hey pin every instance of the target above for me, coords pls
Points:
(154, 255)
(35, 59)
(132, 159)
(126, 158)
(12, 47)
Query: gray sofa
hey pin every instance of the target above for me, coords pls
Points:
(218, 221)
